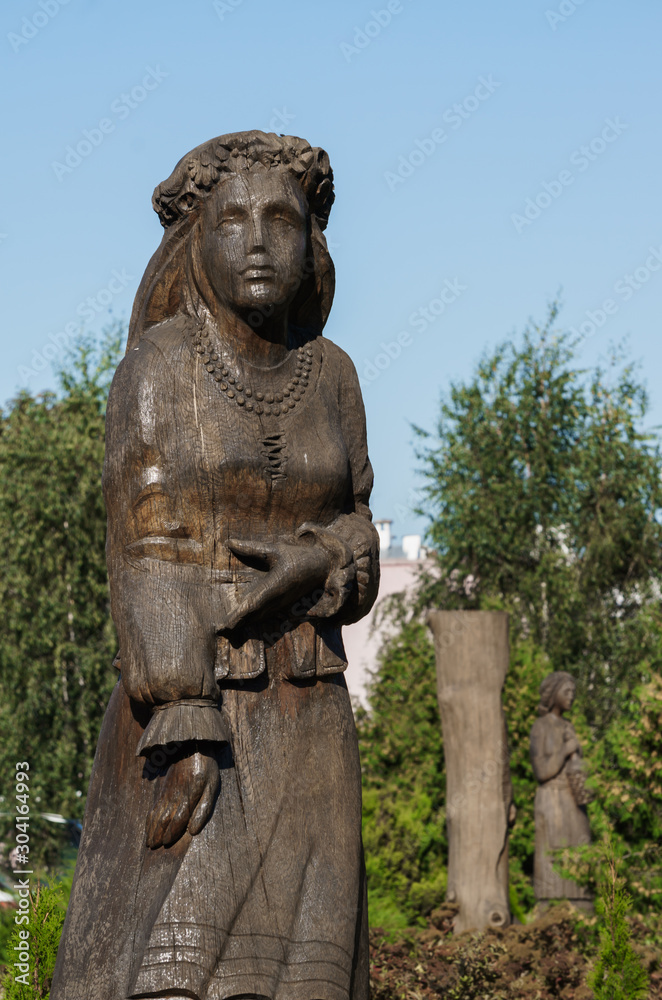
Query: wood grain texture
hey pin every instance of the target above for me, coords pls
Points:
(472, 656)
(240, 541)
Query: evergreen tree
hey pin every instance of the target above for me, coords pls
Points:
(403, 782)
(32, 948)
(618, 973)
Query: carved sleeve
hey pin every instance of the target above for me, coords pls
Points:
(354, 526)
(162, 599)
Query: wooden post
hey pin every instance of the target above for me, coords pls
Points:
(472, 655)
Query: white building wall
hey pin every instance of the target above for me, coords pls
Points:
(398, 573)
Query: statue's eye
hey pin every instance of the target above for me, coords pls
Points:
(287, 219)
(229, 220)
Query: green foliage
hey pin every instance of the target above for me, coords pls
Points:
(627, 764)
(625, 767)
(403, 783)
(544, 493)
(56, 635)
(32, 980)
(7, 927)
(618, 973)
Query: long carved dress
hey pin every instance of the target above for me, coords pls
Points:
(269, 898)
(559, 820)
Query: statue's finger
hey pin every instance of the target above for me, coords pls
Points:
(177, 824)
(253, 550)
(156, 824)
(270, 587)
(203, 810)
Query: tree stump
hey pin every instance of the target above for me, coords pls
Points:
(472, 655)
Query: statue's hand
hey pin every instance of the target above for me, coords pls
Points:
(294, 569)
(571, 745)
(187, 795)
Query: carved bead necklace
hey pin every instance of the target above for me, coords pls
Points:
(249, 396)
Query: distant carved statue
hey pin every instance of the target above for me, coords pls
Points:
(221, 854)
(561, 798)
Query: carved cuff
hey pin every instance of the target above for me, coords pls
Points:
(339, 583)
(362, 538)
(182, 721)
(363, 565)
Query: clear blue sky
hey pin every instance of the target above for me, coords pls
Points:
(535, 82)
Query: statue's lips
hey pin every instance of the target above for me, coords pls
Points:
(260, 273)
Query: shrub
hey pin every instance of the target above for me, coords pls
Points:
(31, 980)
(618, 973)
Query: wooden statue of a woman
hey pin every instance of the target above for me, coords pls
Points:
(221, 854)
(561, 798)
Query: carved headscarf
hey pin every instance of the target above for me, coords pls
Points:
(550, 688)
(163, 290)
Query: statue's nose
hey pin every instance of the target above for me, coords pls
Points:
(256, 235)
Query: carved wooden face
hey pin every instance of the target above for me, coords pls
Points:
(253, 241)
